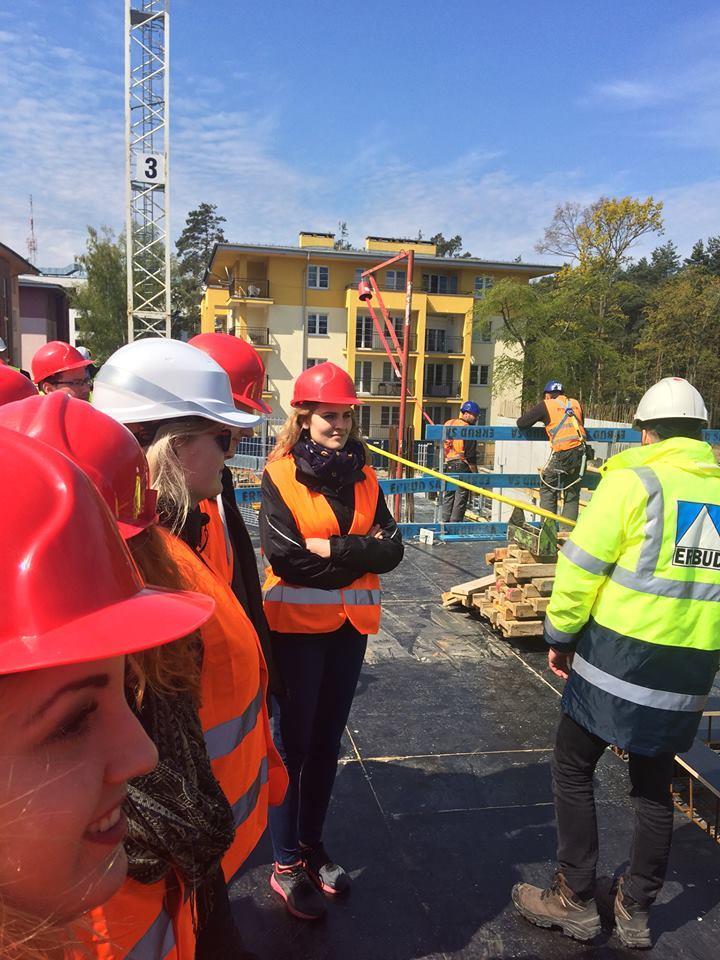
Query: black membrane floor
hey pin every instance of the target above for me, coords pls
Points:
(443, 801)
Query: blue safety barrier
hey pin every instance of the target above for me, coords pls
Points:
(489, 434)
(457, 531)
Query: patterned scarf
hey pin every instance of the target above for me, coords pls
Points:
(336, 467)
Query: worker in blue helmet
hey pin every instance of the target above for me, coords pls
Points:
(563, 419)
(460, 457)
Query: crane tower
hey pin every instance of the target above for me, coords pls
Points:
(147, 222)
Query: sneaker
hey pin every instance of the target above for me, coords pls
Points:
(329, 877)
(557, 906)
(631, 920)
(298, 891)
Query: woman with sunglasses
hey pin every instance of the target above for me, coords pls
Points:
(326, 532)
(74, 607)
(177, 401)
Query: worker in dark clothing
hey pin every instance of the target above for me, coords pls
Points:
(326, 533)
(460, 457)
(563, 420)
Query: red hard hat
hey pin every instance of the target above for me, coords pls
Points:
(324, 383)
(241, 362)
(14, 385)
(56, 357)
(99, 445)
(71, 590)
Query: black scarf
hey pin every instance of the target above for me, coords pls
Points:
(178, 817)
(334, 467)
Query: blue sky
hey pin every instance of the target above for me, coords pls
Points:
(470, 117)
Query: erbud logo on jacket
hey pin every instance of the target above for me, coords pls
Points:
(697, 540)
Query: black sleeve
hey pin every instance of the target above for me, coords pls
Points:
(532, 416)
(471, 452)
(363, 554)
(285, 550)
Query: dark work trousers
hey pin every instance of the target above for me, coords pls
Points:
(562, 469)
(455, 499)
(320, 673)
(577, 753)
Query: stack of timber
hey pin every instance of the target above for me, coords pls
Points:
(514, 597)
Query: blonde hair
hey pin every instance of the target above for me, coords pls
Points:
(166, 471)
(24, 937)
(173, 667)
(293, 427)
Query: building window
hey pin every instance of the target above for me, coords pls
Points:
(474, 374)
(389, 416)
(396, 279)
(363, 415)
(435, 340)
(364, 333)
(440, 282)
(482, 284)
(318, 278)
(484, 378)
(220, 322)
(314, 361)
(357, 276)
(482, 417)
(389, 372)
(317, 324)
(439, 414)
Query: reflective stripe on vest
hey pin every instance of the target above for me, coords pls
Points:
(159, 941)
(644, 578)
(233, 711)
(644, 696)
(565, 429)
(292, 609)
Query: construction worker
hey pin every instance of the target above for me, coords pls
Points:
(634, 626)
(70, 741)
(563, 419)
(58, 366)
(460, 457)
(179, 404)
(326, 534)
(228, 549)
(14, 386)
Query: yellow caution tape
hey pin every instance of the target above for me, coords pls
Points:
(469, 486)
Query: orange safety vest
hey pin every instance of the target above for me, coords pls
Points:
(293, 609)
(233, 712)
(454, 449)
(565, 429)
(217, 552)
(140, 922)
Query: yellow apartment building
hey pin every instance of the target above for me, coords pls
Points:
(299, 306)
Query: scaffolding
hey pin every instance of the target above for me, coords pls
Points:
(147, 35)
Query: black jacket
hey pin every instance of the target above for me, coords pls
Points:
(351, 555)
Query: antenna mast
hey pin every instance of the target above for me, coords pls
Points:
(147, 223)
(32, 240)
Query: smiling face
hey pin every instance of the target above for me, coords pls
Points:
(330, 425)
(202, 458)
(70, 744)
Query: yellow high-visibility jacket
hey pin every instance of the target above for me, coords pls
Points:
(637, 598)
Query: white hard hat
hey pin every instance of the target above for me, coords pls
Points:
(671, 399)
(161, 379)
(84, 352)
(3, 345)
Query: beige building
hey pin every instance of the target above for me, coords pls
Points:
(300, 306)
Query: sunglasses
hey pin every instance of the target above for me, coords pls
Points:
(86, 381)
(224, 440)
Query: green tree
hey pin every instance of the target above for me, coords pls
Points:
(448, 248)
(203, 229)
(101, 322)
(706, 256)
(342, 242)
(681, 336)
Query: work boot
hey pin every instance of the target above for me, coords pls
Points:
(631, 920)
(329, 877)
(300, 894)
(557, 906)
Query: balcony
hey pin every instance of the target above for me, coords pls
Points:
(246, 288)
(259, 337)
(382, 388)
(442, 389)
(375, 343)
(435, 344)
